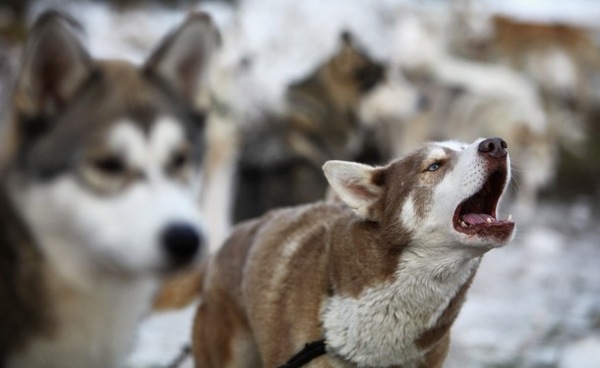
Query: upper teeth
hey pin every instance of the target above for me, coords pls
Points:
(489, 220)
(509, 218)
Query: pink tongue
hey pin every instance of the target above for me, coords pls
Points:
(477, 218)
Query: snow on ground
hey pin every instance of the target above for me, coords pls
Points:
(162, 338)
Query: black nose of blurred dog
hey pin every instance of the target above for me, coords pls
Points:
(182, 242)
(495, 147)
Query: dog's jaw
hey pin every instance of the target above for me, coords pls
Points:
(476, 215)
(475, 218)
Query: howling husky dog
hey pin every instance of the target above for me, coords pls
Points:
(98, 192)
(380, 278)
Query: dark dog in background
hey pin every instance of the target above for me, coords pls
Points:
(281, 156)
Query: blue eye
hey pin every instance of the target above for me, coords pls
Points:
(433, 167)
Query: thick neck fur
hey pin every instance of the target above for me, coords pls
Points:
(366, 254)
(93, 328)
(72, 315)
(391, 295)
(92, 325)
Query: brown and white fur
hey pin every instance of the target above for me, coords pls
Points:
(381, 277)
(99, 181)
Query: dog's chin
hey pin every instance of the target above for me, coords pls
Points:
(482, 229)
(173, 267)
(156, 270)
(487, 237)
(128, 267)
(123, 270)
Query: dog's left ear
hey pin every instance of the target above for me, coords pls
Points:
(182, 59)
(55, 64)
(355, 184)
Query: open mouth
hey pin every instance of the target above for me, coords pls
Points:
(477, 214)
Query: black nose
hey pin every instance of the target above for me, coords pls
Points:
(181, 242)
(495, 147)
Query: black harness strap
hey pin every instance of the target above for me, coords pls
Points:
(311, 351)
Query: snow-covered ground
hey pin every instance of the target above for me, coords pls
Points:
(162, 338)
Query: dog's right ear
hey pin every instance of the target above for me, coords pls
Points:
(355, 185)
(55, 64)
(182, 59)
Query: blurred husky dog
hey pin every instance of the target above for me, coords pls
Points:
(280, 156)
(380, 277)
(99, 182)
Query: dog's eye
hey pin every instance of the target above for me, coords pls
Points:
(110, 165)
(434, 167)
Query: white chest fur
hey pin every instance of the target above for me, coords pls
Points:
(379, 327)
(93, 328)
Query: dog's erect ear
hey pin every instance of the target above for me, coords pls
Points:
(55, 63)
(182, 58)
(347, 55)
(346, 38)
(354, 184)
